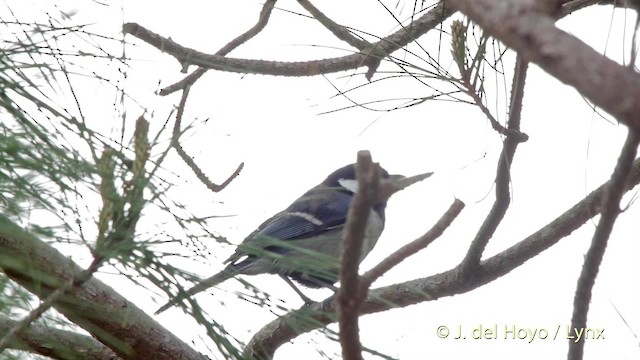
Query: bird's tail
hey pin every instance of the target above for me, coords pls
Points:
(229, 272)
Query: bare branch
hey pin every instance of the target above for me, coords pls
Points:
(385, 46)
(593, 259)
(351, 294)
(266, 341)
(503, 178)
(56, 343)
(471, 69)
(190, 79)
(471, 91)
(413, 247)
(420, 26)
(528, 27)
(188, 160)
(338, 30)
(570, 6)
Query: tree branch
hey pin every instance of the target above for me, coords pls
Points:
(336, 29)
(610, 210)
(351, 294)
(529, 28)
(503, 177)
(387, 45)
(94, 306)
(190, 79)
(204, 179)
(413, 247)
(20, 326)
(266, 341)
(571, 6)
(56, 343)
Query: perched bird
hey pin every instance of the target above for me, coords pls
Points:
(304, 241)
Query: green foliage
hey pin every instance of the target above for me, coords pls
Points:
(52, 175)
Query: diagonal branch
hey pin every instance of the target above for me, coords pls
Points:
(336, 29)
(266, 341)
(529, 28)
(351, 293)
(20, 326)
(503, 178)
(413, 247)
(188, 160)
(110, 236)
(56, 343)
(190, 79)
(593, 259)
(569, 7)
(94, 306)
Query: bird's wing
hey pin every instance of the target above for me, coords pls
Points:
(308, 217)
(314, 213)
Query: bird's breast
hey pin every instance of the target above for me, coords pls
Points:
(375, 225)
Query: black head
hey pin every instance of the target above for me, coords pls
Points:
(344, 178)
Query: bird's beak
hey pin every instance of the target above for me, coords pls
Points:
(396, 183)
(400, 182)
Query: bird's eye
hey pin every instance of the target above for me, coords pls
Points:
(349, 184)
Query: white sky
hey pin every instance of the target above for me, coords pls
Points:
(273, 125)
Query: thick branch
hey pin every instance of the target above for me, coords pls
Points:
(47, 302)
(94, 306)
(529, 28)
(266, 341)
(56, 343)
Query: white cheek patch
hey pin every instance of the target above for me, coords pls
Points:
(349, 184)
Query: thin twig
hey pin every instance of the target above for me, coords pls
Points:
(190, 79)
(351, 294)
(529, 29)
(188, 160)
(593, 259)
(503, 177)
(336, 29)
(413, 247)
(470, 90)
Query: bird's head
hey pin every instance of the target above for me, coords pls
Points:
(344, 180)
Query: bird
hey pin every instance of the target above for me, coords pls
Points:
(304, 241)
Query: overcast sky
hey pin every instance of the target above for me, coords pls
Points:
(281, 129)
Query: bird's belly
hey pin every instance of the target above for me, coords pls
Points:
(315, 262)
(375, 225)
